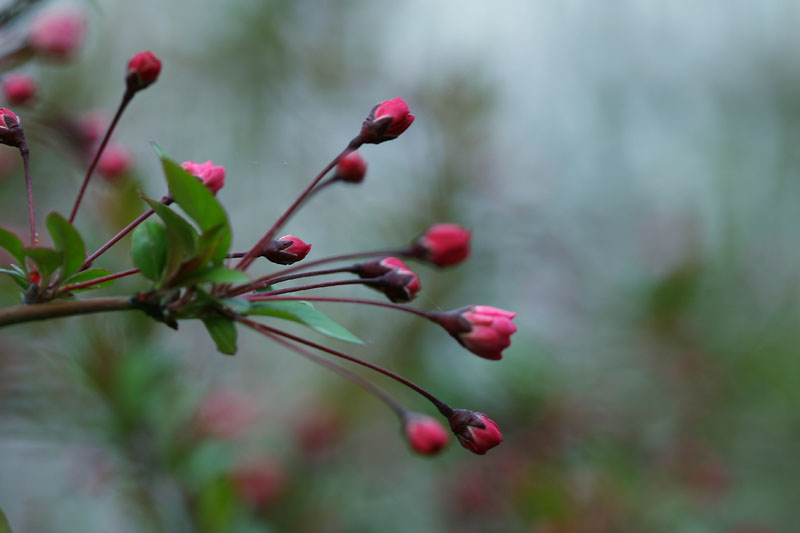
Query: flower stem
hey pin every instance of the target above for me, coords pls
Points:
(263, 282)
(270, 234)
(126, 99)
(95, 281)
(26, 161)
(320, 286)
(344, 257)
(440, 405)
(266, 297)
(29, 313)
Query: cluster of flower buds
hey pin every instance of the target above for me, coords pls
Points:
(392, 277)
(286, 250)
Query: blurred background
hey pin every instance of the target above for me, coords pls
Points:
(630, 171)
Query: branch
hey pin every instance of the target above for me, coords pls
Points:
(29, 313)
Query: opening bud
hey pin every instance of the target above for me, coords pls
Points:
(386, 121)
(351, 168)
(212, 176)
(286, 250)
(475, 431)
(425, 434)
(443, 245)
(392, 277)
(115, 161)
(19, 89)
(143, 70)
(57, 33)
(483, 330)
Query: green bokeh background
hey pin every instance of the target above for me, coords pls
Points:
(631, 173)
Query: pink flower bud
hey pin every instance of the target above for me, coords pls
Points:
(392, 277)
(443, 245)
(143, 70)
(483, 330)
(92, 125)
(19, 89)
(212, 176)
(475, 431)
(11, 132)
(8, 119)
(351, 168)
(57, 34)
(226, 414)
(386, 121)
(115, 161)
(258, 481)
(425, 434)
(286, 250)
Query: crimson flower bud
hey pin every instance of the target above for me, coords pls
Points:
(34, 277)
(91, 126)
(425, 434)
(286, 250)
(143, 70)
(386, 121)
(212, 176)
(483, 330)
(19, 89)
(257, 481)
(475, 431)
(392, 277)
(57, 34)
(443, 245)
(115, 161)
(11, 132)
(351, 168)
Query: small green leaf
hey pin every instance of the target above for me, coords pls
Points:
(181, 238)
(46, 259)
(4, 526)
(12, 245)
(223, 332)
(304, 313)
(216, 274)
(87, 275)
(237, 305)
(149, 249)
(18, 278)
(214, 244)
(68, 241)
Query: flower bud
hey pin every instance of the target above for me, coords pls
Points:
(257, 481)
(115, 161)
(19, 89)
(386, 121)
(226, 414)
(425, 434)
(351, 168)
(392, 277)
(286, 250)
(57, 34)
(143, 70)
(443, 245)
(11, 132)
(212, 176)
(483, 330)
(475, 431)
(91, 126)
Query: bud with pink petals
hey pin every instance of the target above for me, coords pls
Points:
(19, 89)
(392, 277)
(425, 434)
(11, 132)
(443, 245)
(115, 161)
(286, 250)
(212, 176)
(485, 331)
(386, 121)
(143, 70)
(475, 431)
(57, 34)
(351, 168)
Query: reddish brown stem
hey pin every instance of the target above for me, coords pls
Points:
(26, 162)
(333, 258)
(259, 283)
(95, 281)
(265, 297)
(320, 286)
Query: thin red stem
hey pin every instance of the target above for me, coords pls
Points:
(333, 258)
(320, 286)
(270, 234)
(26, 162)
(126, 98)
(355, 378)
(116, 238)
(265, 297)
(95, 281)
(259, 283)
(440, 405)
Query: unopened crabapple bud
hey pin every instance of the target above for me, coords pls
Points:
(212, 176)
(286, 250)
(425, 434)
(475, 431)
(115, 161)
(57, 33)
(143, 70)
(483, 330)
(392, 277)
(19, 88)
(443, 245)
(351, 168)
(11, 132)
(386, 121)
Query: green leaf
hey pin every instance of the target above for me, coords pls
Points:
(68, 241)
(87, 275)
(223, 332)
(4, 526)
(214, 244)
(18, 278)
(46, 259)
(181, 238)
(149, 249)
(216, 274)
(12, 245)
(304, 313)
(237, 305)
